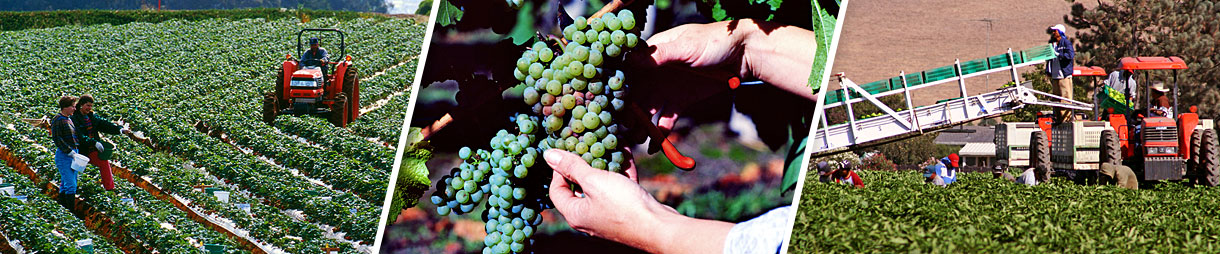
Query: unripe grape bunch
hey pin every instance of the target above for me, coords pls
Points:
(575, 94)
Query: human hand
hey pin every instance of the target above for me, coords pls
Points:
(692, 62)
(613, 206)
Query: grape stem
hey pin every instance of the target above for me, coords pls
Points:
(436, 126)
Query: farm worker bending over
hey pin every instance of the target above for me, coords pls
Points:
(63, 132)
(1160, 102)
(1027, 177)
(89, 127)
(823, 172)
(949, 170)
(1119, 175)
(931, 176)
(1059, 68)
(316, 56)
(614, 207)
(846, 174)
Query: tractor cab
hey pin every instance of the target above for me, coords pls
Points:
(310, 87)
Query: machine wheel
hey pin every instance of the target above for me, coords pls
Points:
(1209, 157)
(1111, 150)
(1192, 165)
(338, 111)
(351, 87)
(269, 108)
(1040, 156)
(279, 91)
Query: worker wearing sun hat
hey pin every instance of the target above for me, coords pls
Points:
(1160, 101)
(1059, 68)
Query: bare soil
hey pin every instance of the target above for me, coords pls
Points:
(882, 37)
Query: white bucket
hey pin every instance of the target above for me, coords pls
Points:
(223, 196)
(244, 207)
(8, 190)
(79, 162)
(21, 198)
(128, 201)
(86, 245)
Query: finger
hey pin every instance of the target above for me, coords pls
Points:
(562, 195)
(568, 165)
(632, 172)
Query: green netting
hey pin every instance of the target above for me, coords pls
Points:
(939, 73)
(976, 65)
(914, 79)
(1111, 98)
(1043, 52)
(876, 86)
(946, 100)
(896, 83)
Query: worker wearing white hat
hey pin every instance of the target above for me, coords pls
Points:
(1160, 101)
(1059, 68)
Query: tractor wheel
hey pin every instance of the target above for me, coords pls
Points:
(269, 108)
(1192, 165)
(351, 87)
(338, 111)
(1040, 156)
(1209, 157)
(1111, 152)
(279, 90)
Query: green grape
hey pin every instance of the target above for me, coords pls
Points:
(613, 50)
(568, 31)
(594, 107)
(618, 37)
(591, 121)
(520, 172)
(597, 149)
(632, 40)
(578, 38)
(605, 116)
(598, 163)
(558, 110)
(579, 111)
(615, 83)
(545, 54)
(523, 64)
(531, 97)
(554, 88)
(617, 157)
(604, 38)
(568, 101)
(442, 210)
(595, 57)
(627, 18)
(464, 153)
(590, 36)
(528, 160)
(599, 46)
(581, 148)
(610, 141)
(536, 70)
(611, 21)
(553, 123)
(614, 167)
(580, 83)
(575, 68)
(580, 22)
(596, 24)
(617, 104)
(538, 45)
(581, 53)
(590, 71)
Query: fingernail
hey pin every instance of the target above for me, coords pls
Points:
(552, 156)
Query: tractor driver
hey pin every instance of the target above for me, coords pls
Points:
(1160, 101)
(316, 56)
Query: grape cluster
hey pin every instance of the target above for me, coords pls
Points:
(575, 94)
(578, 93)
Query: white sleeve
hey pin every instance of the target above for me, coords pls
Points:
(762, 235)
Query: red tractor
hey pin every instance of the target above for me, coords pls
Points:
(310, 87)
(1171, 146)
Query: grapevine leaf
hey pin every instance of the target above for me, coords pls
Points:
(524, 30)
(448, 14)
(824, 27)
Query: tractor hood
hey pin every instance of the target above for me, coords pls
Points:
(312, 73)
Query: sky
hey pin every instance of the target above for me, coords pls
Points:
(403, 6)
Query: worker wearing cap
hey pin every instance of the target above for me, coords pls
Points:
(949, 171)
(846, 174)
(316, 56)
(1160, 101)
(1059, 68)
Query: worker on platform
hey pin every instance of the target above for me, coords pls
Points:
(846, 174)
(1119, 175)
(1160, 101)
(89, 127)
(316, 56)
(1059, 68)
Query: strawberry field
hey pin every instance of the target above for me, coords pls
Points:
(897, 212)
(299, 185)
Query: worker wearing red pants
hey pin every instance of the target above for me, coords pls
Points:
(89, 127)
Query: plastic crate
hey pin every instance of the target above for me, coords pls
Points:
(976, 65)
(1110, 98)
(939, 73)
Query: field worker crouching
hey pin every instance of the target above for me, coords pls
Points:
(846, 174)
(1119, 175)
